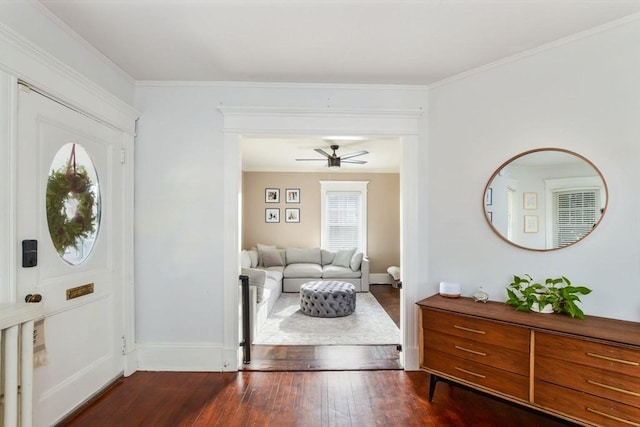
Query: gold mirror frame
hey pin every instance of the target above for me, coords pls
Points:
(524, 214)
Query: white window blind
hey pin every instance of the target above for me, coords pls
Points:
(343, 215)
(343, 218)
(576, 213)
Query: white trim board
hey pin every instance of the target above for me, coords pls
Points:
(182, 357)
(406, 124)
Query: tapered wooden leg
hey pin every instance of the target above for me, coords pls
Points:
(433, 379)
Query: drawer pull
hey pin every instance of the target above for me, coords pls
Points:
(471, 351)
(611, 359)
(621, 390)
(469, 372)
(611, 417)
(475, 331)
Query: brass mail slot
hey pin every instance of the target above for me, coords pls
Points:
(80, 291)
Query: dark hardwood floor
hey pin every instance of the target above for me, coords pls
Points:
(306, 399)
(327, 397)
(330, 357)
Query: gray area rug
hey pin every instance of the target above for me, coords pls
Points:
(369, 324)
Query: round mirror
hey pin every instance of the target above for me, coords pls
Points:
(73, 203)
(545, 199)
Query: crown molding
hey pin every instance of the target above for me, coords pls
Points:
(284, 85)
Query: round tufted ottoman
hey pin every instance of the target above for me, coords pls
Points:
(327, 298)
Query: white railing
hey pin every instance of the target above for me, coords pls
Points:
(16, 324)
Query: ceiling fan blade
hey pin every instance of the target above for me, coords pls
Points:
(356, 154)
(310, 160)
(358, 162)
(321, 151)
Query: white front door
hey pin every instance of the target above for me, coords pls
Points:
(82, 335)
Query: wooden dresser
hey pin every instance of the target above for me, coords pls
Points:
(586, 371)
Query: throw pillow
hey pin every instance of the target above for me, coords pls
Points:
(271, 258)
(261, 249)
(356, 260)
(245, 259)
(253, 254)
(327, 256)
(343, 258)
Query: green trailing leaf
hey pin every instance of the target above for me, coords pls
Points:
(523, 292)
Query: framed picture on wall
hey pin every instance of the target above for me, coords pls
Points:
(292, 195)
(272, 215)
(530, 200)
(531, 223)
(272, 195)
(292, 215)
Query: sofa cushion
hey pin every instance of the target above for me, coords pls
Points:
(337, 272)
(343, 258)
(271, 258)
(257, 278)
(303, 270)
(303, 256)
(275, 273)
(327, 256)
(356, 260)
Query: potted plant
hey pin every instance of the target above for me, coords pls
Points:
(555, 295)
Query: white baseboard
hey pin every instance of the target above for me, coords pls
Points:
(411, 359)
(179, 357)
(380, 279)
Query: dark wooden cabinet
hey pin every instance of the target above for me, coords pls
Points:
(586, 371)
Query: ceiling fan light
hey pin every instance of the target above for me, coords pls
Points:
(333, 162)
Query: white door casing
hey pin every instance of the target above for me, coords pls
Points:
(82, 336)
(239, 121)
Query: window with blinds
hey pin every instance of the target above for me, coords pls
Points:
(575, 214)
(343, 220)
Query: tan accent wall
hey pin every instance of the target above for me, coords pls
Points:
(383, 238)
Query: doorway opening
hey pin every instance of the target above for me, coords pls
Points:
(353, 206)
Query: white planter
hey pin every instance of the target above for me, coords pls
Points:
(548, 308)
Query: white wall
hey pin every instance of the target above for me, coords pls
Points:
(179, 179)
(583, 95)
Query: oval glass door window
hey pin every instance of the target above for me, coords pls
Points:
(73, 203)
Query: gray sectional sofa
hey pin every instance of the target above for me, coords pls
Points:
(273, 270)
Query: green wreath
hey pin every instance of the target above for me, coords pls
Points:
(63, 185)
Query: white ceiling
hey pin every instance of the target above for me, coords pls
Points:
(323, 41)
(272, 154)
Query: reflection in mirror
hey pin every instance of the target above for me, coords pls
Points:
(545, 199)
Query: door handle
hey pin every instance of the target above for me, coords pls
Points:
(33, 298)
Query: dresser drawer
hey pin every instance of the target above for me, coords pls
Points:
(496, 379)
(478, 351)
(584, 406)
(475, 329)
(603, 356)
(610, 385)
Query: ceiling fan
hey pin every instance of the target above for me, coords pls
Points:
(334, 161)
